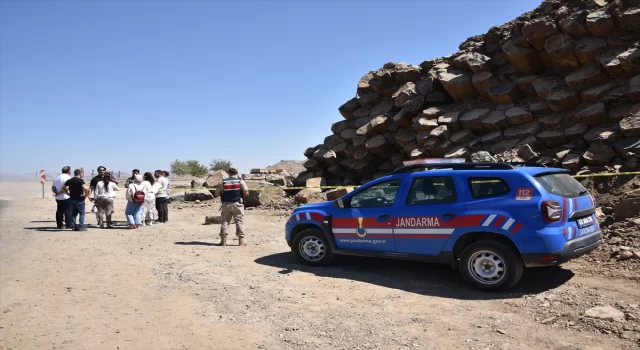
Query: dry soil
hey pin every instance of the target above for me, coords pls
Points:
(169, 287)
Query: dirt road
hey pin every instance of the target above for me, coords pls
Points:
(169, 287)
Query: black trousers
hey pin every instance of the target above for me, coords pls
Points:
(163, 209)
(63, 213)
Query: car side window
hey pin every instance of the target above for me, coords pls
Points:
(379, 195)
(432, 190)
(487, 187)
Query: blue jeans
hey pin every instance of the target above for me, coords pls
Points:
(134, 213)
(77, 207)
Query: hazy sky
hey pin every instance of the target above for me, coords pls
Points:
(140, 83)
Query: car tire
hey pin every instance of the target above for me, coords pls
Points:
(310, 246)
(491, 266)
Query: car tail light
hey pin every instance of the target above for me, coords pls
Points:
(551, 211)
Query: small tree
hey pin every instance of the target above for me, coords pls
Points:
(220, 164)
(179, 167)
(196, 169)
(191, 167)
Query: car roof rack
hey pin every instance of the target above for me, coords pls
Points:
(529, 164)
(453, 164)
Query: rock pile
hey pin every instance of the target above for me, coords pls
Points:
(559, 85)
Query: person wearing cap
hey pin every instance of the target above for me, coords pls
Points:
(231, 191)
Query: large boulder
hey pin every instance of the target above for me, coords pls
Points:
(473, 119)
(605, 134)
(309, 195)
(538, 30)
(193, 196)
(504, 93)
(560, 49)
(630, 19)
(262, 196)
(627, 208)
(594, 114)
(525, 59)
(494, 121)
(348, 108)
(594, 94)
(630, 125)
(563, 99)
(598, 154)
(450, 120)
(544, 85)
(573, 162)
(588, 76)
(405, 93)
(474, 61)
(482, 157)
(628, 148)
(600, 23)
(517, 116)
(337, 193)
(381, 109)
(483, 81)
(611, 63)
(458, 84)
(215, 178)
(522, 130)
(587, 49)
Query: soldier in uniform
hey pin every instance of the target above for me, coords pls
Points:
(232, 190)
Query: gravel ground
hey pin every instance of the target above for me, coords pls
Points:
(169, 287)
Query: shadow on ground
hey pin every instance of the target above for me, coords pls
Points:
(196, 243)
(418, 277)
(117, 225)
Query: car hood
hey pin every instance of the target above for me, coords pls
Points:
(320, 205)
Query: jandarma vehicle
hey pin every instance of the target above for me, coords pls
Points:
(487, 220)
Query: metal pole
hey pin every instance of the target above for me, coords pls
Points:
(42, 190)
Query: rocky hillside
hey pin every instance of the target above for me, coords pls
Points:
(559, 85)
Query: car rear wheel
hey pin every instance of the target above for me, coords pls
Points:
(491, 266)
(311, 247)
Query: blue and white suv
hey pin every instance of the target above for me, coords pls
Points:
(489, 220)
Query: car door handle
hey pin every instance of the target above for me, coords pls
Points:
(383, 217)
(449, 215)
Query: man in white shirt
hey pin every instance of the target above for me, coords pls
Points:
(64, 205)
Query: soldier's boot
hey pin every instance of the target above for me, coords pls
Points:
(243, 241)
(223, 241)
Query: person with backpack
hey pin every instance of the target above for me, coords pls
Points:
(135, 196)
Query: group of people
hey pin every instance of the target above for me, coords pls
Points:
(147, 198)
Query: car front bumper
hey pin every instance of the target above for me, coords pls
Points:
(572, 249)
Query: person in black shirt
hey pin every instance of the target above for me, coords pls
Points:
(78, 193)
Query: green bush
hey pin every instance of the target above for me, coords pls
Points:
(191, 167)
(220, 164)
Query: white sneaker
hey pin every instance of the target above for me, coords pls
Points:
(144, 224)
(150, 223)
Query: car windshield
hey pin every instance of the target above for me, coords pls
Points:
(561, 185)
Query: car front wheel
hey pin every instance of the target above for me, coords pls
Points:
(311, 247)
(491, 266)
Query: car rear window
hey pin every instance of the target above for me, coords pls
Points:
(561, 185)
(487, 187)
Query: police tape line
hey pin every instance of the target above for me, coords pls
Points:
(353, 187)
(608, 174)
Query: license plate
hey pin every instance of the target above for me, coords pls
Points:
(588, 230)
(584, 222)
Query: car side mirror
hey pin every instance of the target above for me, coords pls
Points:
(339, 203)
